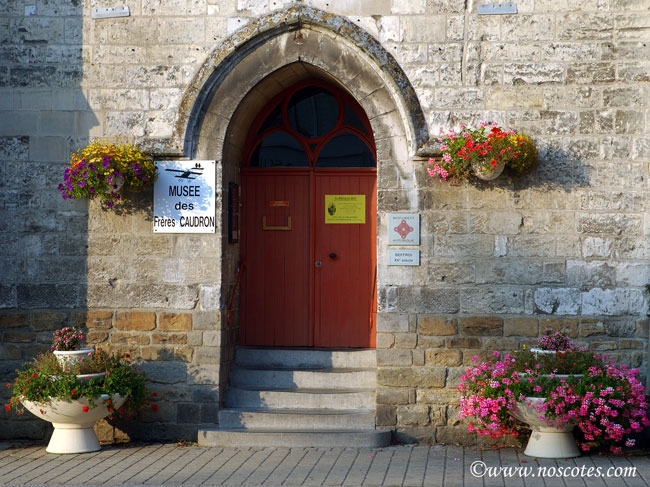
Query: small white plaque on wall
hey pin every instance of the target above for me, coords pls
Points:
(184, 197)
(403, 257)
(403, 229)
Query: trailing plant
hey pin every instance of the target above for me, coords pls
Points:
(479, 149)
(67, 339)
(605, 400)
(101, 169)
(45, 379)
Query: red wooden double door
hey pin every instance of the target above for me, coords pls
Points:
(309, 223)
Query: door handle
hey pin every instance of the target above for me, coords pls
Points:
(332, 255)
(268, 227)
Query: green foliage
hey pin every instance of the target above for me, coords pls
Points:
(44, 379)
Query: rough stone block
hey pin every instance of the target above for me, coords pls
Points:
(135, 320)
(521, 327)
(427, 300)
(609, 302)
(13, 320)
(392, 395)
(447, 358)
(386, 415)
(567, 325)
(438, 415)
(207, 355)
(46, 321)
(413, 415)
(175, 322)
(603, 346)
(418, 357)
(472, 343)
(10, 352)
(14, 148)
(394, 357)
(596, 247)
(393, 322)
(435, 326)
(188, 413)
(493, 300)
(385, 340)
(129, 338)
(165, 372)
(412, 377)
(561, 301)
(96, 337)
(44, 296)
(406, 340)
(18, 337)
(590, 327)
(99, 320)
(482, 326)
(207, 320)
(210, 339)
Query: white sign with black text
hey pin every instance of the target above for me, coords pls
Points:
(403, 257)
(184, 197)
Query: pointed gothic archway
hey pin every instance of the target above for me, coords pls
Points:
(262, 59)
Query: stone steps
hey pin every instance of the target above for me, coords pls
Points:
(237, 438)
(299, 397)
(297, 419)
(299, 378)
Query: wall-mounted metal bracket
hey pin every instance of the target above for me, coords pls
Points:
(110, 12)
(497, 9)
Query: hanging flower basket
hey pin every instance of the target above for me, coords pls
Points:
(484, 153)
(102, 170)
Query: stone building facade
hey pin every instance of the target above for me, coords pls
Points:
(565, 247)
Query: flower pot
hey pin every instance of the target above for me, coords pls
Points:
(67, 358)
(73, 428)
(546, 439)
(487, 172)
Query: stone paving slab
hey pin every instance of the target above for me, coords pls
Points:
(172, 465)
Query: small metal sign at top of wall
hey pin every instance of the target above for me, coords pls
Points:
(497, 9)
(110, 12)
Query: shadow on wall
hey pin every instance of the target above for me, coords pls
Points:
(187, 398)
(44, 115)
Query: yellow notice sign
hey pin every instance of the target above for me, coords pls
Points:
(345, 208)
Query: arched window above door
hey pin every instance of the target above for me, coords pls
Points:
(312, 124)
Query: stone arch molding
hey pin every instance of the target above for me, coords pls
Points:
(343, 51)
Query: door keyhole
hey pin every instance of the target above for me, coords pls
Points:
(332, 255)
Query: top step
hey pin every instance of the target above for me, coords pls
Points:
(305, 358)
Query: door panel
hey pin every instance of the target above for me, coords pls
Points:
(344, 297)
(275, 287)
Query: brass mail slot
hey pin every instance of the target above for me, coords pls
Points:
(285, 229)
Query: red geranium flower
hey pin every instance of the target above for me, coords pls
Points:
(154, 407)
(86, 409)
(7, 407)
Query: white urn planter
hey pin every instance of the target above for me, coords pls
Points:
(73, 428)
(68, 358)
(546, 440)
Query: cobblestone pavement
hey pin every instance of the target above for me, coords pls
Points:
(172, 465)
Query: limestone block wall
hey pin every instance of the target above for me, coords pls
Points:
(566, 247)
